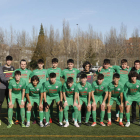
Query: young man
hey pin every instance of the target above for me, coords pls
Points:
(58, 72)
(115, 93)
(131, 93)
(53, 91)
(33, 94)
(136, 68)
(99, 94)
(70, 72)
(69, 89)
(42, 74)
(5, 75)
(25, 75)
(83, 95)
(16, 91)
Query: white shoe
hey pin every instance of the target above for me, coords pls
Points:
(12, 122)
(28, 124)
(127, 124)
(76, 125)
(67, 124)
(94, 124)
(41, 124)
(64, 121)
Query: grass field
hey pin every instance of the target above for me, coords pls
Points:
(34, 132)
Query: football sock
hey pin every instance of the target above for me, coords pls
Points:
(28, 115)
(87, 116)
(94, 116)
(102, 114)
(22, 113)
(109, 116)
(60, 116)
(121, 117)
(47, 116)
(128, 117)
(10, 115)
(66, 115)
(79, 116)
(75, 113)
(41, 115)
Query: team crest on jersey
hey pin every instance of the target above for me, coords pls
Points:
(102, 87)
(73, 70)
(85, 88)
(19, 85)
(118, 88)
(72, 89)
(26, 71)
(109, 69)
(56, 86)
(137, 86)
(58, 70)
(37, 89)
(43, 71)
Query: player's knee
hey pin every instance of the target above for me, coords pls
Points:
(10, 106)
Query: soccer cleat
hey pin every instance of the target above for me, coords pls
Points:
(64, 121)
(102, 124)
(17, 122)
(79, 124)
(28, 124)
(44, 121)
(109, 123)
(117, 119)
(87, 124)
(50, 120)
(127, 124)
(94, 124)
(41, 124)
(9, 125)
(125, 119)
(23, 125)
(60, 124)
(133, 120)
(47, 124)
(34, 122)
(0, 122)
(67, 124)
(121, 124)
(76, 125)
(12, 122)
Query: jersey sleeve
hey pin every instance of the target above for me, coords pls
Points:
(125, 91)
(31, 74)
(47, 75)
(115, 67)
(93, 87)
(13, 74)
(76, 88)
(41, 89)
(63, 88)
(44, 87)
(10, 85)
(62, 74)
(90, 88)
(24, 85)
(106, 89)
(27, 90)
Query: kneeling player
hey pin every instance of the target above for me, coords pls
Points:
(99, 94)
(16, 91)
(131, 93)
(53, 91)
(83, 95)
(115, 90)
(33, 94)
(69, 89)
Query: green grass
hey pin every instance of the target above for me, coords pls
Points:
(54, 129)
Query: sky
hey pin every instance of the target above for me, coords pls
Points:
(101, 14)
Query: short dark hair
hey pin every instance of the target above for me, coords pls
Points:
(86, 63)
(54, 60)
(40, 61)
(123, 61)
(133, 74)
(83, 76)
(70, 61)
(23, 61)
(106, 61)
(70, 80)
(9, 58)
(52, 75)
(136, 61)
(100, 76)
(116, 75)
(35, 77)
(17, 72)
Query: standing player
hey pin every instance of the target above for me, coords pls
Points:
(115, 90)
(58, 72)
(42, 74)
(136, 68)
(33, 94)
(70, 72)
(6, 74)
(53, 91)
(25, 75)
(69, 89)
(131, 93)
(99, 94)
(16, 91)
(83, 94)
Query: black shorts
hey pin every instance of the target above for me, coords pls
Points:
(2, 94)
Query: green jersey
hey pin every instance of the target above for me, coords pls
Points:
(131, 89)
(99, 89)
(57, 71)
(69, 91)
(34, 91)
(52, 89)
(17, 88)
(123, 73)
(70, 73)
(138, 71)
(42, 75)
(25, 74)
(115, 91)
(108, 74)
(83, 91)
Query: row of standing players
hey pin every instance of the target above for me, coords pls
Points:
(107, 71)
